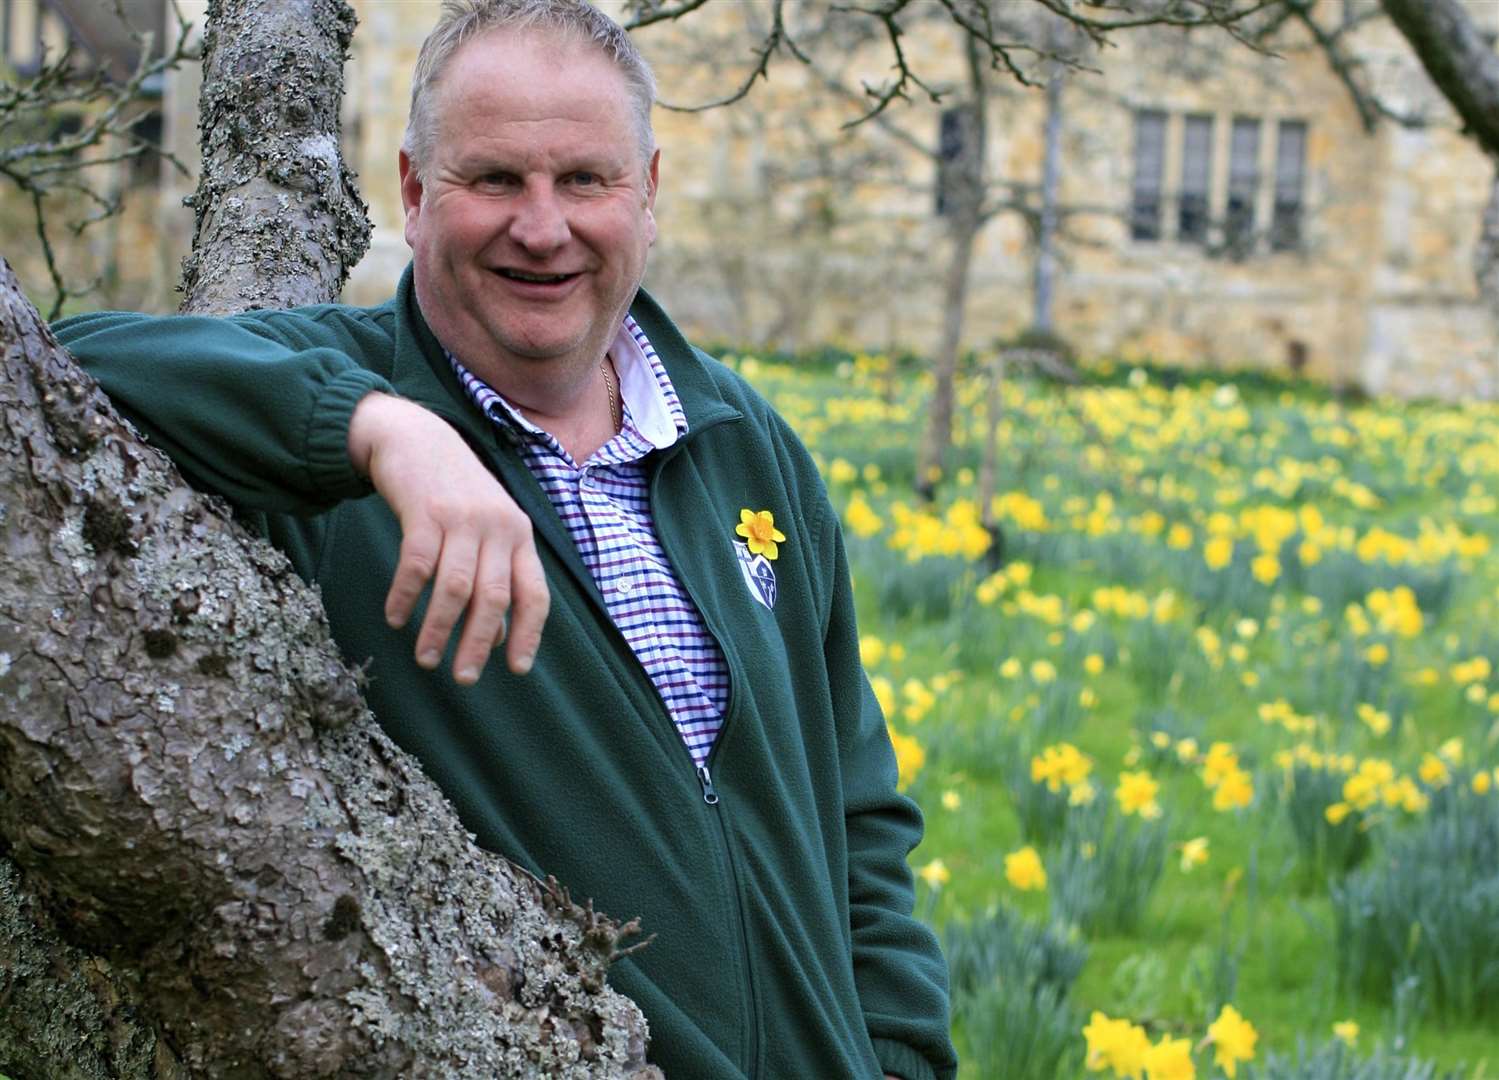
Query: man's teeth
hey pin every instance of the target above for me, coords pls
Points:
(547, 279)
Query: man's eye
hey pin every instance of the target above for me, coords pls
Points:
(585, 178)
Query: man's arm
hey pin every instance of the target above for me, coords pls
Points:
(263, 411)
(899, 970)
(460, 530)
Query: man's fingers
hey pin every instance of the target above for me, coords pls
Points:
(531, 601)
(452, 585)
(484, 625)
(419, 550)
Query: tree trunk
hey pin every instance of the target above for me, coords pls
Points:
(963, 233)
(278, 220)
(218, 865)
(1051, 182)
(1462, 63)
(1486, 253)
(964, 207)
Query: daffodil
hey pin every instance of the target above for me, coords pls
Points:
(1170, 1059)
(1233, 1040)
(1347, 1030)
(1194, 853)
(1218, 552)
(758, 527)
(1115, 1044)
(1136, 794)
(910, 756)
(1023, 869)
(935, 874)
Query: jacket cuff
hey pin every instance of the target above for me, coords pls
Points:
(898, 1059)
(326, 446)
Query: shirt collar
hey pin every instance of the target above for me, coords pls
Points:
(644, 389)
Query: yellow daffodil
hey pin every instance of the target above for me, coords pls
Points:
(758, 527)
(1234, 792)
(910, 756)
(1023, 870)
(1194, 853)
(1347, 1030)
(935, 874)
(1265, 568)
(1233, 1040)
(1218, 552)
(1170, 1059)
(1116, 1044)
(1136, 794)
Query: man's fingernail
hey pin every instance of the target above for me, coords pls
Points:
(429, 658)
(524, 662)
(469, 675)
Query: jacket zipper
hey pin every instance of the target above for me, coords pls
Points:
(710, 793)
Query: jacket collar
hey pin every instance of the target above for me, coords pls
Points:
(423, 374)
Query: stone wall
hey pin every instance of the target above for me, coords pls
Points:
(779, 228)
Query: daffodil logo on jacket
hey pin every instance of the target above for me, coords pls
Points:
(761, 537)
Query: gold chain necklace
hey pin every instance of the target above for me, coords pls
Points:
(614, 418)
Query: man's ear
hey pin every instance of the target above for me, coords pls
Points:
(652, 182)
(411, 196)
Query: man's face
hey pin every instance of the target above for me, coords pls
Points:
(530, 230)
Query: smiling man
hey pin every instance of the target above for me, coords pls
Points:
(692, 741)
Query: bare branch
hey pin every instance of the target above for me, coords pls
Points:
(761, 70)
(1371, 107)
(45, 166)
(650, 12)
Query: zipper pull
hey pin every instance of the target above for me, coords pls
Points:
(710, 793)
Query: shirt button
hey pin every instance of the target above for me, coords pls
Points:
(622, 586)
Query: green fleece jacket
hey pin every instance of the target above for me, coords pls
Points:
(785, 945)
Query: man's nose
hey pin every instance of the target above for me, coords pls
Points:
(540, 223)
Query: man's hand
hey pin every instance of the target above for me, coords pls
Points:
(460, 530)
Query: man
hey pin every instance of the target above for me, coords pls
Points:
(692, 740)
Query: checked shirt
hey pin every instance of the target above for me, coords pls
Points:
(605, 504)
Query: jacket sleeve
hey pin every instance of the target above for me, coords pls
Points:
(899, 970)
(254, 407)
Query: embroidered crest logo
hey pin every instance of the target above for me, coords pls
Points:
(760, 547)
(759, 575)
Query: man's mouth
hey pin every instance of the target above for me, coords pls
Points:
(534, 279)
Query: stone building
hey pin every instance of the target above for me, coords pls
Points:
(1221, 207)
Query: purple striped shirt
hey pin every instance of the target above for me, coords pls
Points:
(605, 504)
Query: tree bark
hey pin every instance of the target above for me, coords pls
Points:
(1051, 182)
(1486, 252)
(217, 864)
(279, 222)
(964, 207)
(195, 792)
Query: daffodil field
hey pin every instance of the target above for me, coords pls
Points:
(1209, 751)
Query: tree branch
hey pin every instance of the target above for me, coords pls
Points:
(1459, 60)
